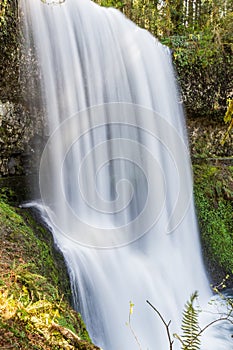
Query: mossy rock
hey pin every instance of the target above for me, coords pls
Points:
(213, 189)
(34, 288)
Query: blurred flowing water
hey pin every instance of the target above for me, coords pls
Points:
(115, 177)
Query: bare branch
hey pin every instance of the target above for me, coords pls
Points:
(165, 324)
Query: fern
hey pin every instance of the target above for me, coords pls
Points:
(191, 332)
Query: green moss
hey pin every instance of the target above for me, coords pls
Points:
(35, 313)
(213, 189)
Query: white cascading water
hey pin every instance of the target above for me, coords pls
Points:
(115, 177)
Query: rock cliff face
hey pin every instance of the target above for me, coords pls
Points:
(21, 120)
(21, 140)
(205, 137)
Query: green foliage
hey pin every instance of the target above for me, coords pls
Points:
(200, 36)
(229, 113)
(3, 12)
(213, 197)
(175, 17)
(190, 337)
(39, 249)
(111, 3)
(50, 319)
(204, 67)
(228, 118)
(34, 312)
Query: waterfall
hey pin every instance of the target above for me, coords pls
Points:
(115, 177)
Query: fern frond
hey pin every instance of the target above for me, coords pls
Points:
(190, 327)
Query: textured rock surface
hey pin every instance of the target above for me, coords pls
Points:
(21, 140)
(205, 137)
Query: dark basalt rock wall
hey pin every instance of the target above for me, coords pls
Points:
(21, 140)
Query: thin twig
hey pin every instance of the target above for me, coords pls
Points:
(165, 324)
(133, 332)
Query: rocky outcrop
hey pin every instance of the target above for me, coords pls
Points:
(21, 121)
(205, 136)
(205, 88)
(21, 140)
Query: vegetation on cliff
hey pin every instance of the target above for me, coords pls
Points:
(200, 36)
(35, 311)
(213, 189)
